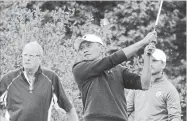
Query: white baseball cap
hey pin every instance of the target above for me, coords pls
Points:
(89, 38)
(159, 55)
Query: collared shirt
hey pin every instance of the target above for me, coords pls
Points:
(25, 106)
(160, 103)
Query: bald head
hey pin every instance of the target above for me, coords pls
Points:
(32, 56)
(35, 47)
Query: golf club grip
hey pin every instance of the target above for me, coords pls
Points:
(149, 51)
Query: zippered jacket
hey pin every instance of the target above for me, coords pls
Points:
(25, 106)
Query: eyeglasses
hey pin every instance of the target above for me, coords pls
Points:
(30, 56)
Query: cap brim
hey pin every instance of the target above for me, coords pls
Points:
(158, 59)
(159, 55)
(77, 43)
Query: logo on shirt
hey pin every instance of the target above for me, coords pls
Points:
(158, 94)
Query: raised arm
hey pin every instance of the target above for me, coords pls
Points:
(132, 49)
(146, 72)
(134, 81)
(85, 69)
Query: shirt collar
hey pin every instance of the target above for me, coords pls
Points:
(159, 80)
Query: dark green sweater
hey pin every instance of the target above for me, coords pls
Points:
(25, 106)
(102, 84)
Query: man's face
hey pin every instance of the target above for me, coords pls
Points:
(157, 66)
(31, 58)
(90, 50)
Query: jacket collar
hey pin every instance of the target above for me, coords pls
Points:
(39, 71)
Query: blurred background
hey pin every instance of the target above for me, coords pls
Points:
(56, 24)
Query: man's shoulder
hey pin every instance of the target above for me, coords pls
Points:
(12, 73)
(169, 84)
(10, 76)
(82, 62)
(170, 88)
(82, 65)
(47, 71)
(49, 74)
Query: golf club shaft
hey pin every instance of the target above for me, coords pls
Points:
(157, 18)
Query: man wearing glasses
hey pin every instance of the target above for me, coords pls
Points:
(28, 91)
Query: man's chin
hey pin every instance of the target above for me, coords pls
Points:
(88, 58)
(27, 67)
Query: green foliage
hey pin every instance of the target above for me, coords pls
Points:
(56, 24)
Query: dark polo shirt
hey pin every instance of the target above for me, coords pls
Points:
(101, 83)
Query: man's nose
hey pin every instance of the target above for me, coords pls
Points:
(27, 58)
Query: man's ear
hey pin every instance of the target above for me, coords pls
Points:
(103, 49)
(164, 65)
(41, 59)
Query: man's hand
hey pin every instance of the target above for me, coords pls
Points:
(132, 49)
(2, 114)
(72, 115)
(151, 37)
(149, 49)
